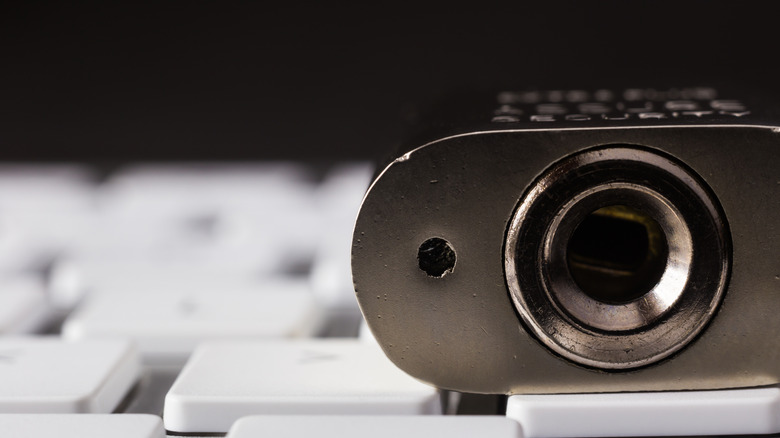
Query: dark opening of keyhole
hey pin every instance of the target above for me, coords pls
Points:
(617, 254)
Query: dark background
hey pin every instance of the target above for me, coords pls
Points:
(123, 81)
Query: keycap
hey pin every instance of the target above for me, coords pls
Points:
(339, 198)
(374, 426)
(226, 381)
(365, 335)
(71, 279)
(235, 212)
(81, 426)
(343, 188)
(31, 196)
(168, 325)
(678, 413)
(184, 190)
(45, 188)
(199, 182)
(16, 253)
(31, 242)
(230, 240)
(49, 375)
(331, 281)
(23, 305)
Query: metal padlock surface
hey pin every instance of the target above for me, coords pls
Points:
(580, 241)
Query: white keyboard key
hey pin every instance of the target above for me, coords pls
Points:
(331, 277)
(45, 188)
(291, 233)
(684, 413)
(16, 253)
(342, 191)
(196, 188)
(183, 177)
(387, 426)
(81, 426)
(365, 335)
(223, 382)
(48, 375)
(166, 327)
(30, 240)
(23, 305)
(262, 206)
(44, 209)
(71, 279)
(223, 240)
(58, 227)
(339, 197)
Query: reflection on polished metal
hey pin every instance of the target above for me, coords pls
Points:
(616, 254)
(651, 324)
(638, 312)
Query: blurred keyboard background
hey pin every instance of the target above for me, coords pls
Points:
(111, 279)
(184, 177)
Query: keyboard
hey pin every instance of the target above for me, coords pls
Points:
(213, 299)
(175, 299)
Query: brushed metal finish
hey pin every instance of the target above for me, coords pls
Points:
(462, 331)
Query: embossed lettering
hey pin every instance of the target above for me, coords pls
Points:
(652, 116)
(728, 105)
(508, 97)
(604, 95)
(637, 103)
(697, 113)
(594, 108)
(555, 95)
(505, 119)
(734, 113)
(646, 106)
(551, 108)
(623, 116)
(681, 105)
(576, 96)
(505, 110)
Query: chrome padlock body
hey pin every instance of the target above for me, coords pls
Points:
(466, 268)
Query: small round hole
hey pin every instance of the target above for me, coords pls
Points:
(436, 257)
